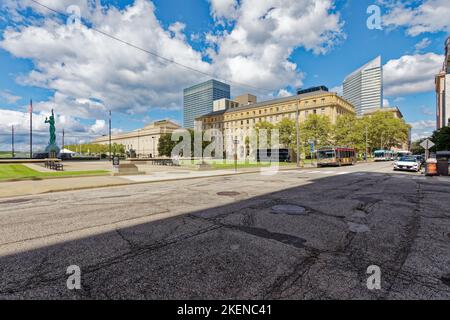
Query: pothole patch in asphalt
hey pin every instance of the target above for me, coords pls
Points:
(289, 209)
(357, 227)
(228, 193)
(359, 214)
(446, 279)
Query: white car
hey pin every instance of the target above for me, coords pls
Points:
(408, 163)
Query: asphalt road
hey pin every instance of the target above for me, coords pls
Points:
(302, 234)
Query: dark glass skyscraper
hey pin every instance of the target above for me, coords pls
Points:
(198, 99)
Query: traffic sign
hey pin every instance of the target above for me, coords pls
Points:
(427, 144)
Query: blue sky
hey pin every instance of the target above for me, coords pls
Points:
(304, 43)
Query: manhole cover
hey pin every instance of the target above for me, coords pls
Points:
(228, 193)
(357, 228)
(288, 209)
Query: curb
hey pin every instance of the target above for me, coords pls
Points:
(110, 185)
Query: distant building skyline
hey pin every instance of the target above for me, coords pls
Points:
(199, 99)
(364, 87)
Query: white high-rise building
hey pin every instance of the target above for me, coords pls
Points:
(364, 87)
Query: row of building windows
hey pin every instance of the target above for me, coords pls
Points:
(276, 117)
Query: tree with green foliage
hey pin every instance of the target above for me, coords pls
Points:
(349, 131)
(386, 131)
(441, 138)
(264, 125)
(166, 145)
(416, 148)
(316, 128)
(96, 148)
(287, 133)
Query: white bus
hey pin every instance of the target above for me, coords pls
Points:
(383, 155)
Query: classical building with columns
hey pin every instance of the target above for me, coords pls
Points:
(235, 120)
(144, 141)
(245, 117)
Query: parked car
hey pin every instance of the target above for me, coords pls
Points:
(420, 158)
(408, 163)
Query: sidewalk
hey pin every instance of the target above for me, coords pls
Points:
(32, 187)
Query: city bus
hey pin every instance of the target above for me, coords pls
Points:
(335, 156)
(383, 155)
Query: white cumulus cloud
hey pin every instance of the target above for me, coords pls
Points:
(411, 74)
(418, 16)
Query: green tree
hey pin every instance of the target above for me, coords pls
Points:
(386, 131)
(287, 133)
(264, 125)
(165, 145)
(350, 131)
(441, 138)
(316, 128)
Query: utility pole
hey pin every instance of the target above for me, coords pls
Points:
(31, 129)
(110, 147)
(297, 135)
(62, 143)
(12, 141)
(366, 145)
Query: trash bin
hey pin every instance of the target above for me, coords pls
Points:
(442, 167)
(431, 167)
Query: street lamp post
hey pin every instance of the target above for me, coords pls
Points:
(297, 134)
(366, 146)
(235, 141)
(110, 146)
(12, 141)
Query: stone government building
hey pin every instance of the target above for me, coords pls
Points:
(244, 117)
(144, 141)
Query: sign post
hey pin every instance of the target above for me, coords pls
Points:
(311, 149)
(427, 145)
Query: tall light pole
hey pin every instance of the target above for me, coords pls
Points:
(297, 134)
(31, 129)
(366, 146)
(62, 143)
(110, 146)
(12, 141)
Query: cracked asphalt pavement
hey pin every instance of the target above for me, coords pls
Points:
(181, 240)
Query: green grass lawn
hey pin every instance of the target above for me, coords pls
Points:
(21, 172)
(220, 164)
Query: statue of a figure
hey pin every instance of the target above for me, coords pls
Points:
(52, 149)
(51, 121)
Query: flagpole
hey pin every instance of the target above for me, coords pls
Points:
(31, 129)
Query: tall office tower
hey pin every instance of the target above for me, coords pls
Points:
(198, 100)
(442, 81)
(364, 87)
